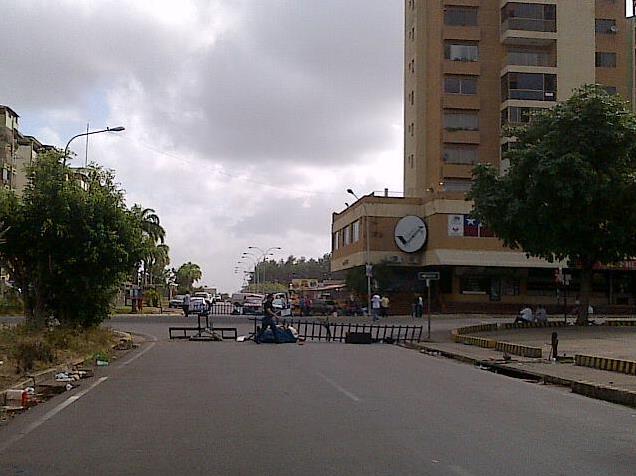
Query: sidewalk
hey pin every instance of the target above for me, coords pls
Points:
(610, 386)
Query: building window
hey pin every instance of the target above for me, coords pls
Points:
(346, 235)
(355, 231)
(461, 121)
(523, 57)
(529, 86)
(460, 16)
(517, 115)
(529, 17)
(412, 98)
(606, 26)
(474, 284)
(336, 240)
(456, 155)
(605, 60)
(457, 185)
(460, 85)
(461, 52)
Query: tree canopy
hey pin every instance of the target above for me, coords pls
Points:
(569, 192)
(186, 275)
(69, 245)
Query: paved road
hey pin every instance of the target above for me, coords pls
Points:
(191, 408)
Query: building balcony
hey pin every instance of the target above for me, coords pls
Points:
(531, 58)
(530, 38)
(471, 68)
(457, 171)
(461, 137)
(466, 33)
(459, 101)
(529, 24)
(513, 68)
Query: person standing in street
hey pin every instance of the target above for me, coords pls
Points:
(376, 302)
(269, 319)
(186, 304)
(419, 307)
(384, 303)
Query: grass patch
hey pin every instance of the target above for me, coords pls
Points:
(24, 350)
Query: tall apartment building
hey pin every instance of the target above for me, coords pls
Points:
(8, 146)
(471, 67)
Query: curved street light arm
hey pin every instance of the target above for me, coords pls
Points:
(108, 129)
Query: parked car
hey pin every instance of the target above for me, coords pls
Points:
(238, 299)
(206, 296)
(176, 302)
(323, 307)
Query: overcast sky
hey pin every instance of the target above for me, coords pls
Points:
(246, 120)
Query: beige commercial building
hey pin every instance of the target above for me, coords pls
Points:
(471, 67)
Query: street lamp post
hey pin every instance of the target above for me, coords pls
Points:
(108, 129)
(264, 254)
(368, 250)
(254, 261)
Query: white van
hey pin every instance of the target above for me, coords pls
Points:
(239, 299)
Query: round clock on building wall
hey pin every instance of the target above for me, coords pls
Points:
(410, 234)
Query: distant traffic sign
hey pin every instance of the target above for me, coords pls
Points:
(428, 276)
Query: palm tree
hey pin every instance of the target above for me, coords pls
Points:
(153, 239)
(150, 223)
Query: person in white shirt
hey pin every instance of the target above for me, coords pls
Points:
(186, 304)
(376, 302)
(525, 316)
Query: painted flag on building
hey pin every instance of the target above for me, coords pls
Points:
(471, 226)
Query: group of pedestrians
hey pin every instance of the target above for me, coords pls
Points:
(379, 306)
(526, 315)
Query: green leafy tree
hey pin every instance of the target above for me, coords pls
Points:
(186, 276)
(569, 193)
(69, 246)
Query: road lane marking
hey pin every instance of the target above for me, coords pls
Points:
(339, 388)
(136, 356)
(70, 400)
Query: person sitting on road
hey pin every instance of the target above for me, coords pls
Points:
(269, 319)
(525, 316)
(541, 315)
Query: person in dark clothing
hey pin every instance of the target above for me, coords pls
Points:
(269, 319)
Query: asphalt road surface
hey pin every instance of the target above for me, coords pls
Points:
(173, 408)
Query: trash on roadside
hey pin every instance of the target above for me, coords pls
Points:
(101, 360)
(63, 377)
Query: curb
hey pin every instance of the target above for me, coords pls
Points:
(603, 392)
(517, 349)
(604, 363)
(586, 389)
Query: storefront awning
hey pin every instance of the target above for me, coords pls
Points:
(505, 259)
